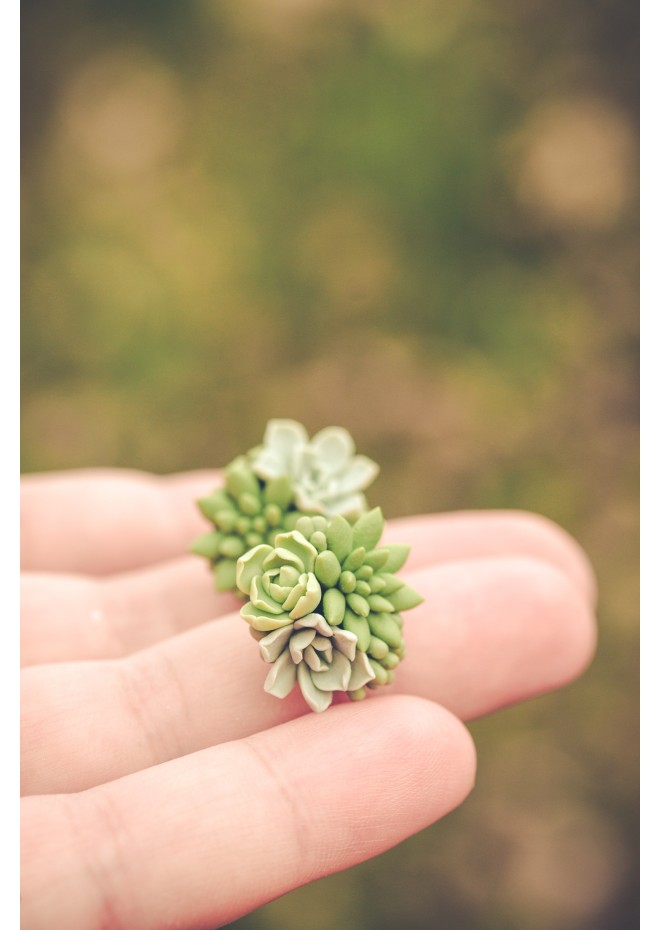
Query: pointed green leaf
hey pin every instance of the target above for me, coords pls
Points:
(356, 558)
(273, 514)
(379, 672)
(360, 627)
(378, 648)
(327, 568)
(358, 604)
(380, 604)
(377, 584)
(347, 582)
(232, 547)
(225, 574)
(391, 583)
(319, 541)
(399, 552)
(334, 606)
(365, 573)
(385, 628)
(279, 491)
(213, 502)
(404, 598)
(207, 545)
(249, 503)
(377, 558)
(340, 537)
(390, 661)
(359, 694)
(240, 478)
(368, 529)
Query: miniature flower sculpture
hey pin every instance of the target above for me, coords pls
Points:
(325, 606)
(245, 512)
(266, 491)
(327, 476)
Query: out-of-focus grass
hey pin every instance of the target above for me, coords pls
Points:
(418, 221)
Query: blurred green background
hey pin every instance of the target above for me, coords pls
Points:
(414, 219)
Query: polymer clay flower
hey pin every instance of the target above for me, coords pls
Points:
(327, 476)
(325, 606)
(268, 489)
(245, 512)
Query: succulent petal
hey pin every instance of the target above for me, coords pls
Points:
(264, 622)
(282, 676)
(310, 600)
(261, 599)
(272, 644)
(361, 672)
(336, 677)
(346, 643)
(316, 699)
(299, 642)
(333, 445)
(250, 565)
(316, 622)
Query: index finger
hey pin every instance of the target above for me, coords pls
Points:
(100, 521)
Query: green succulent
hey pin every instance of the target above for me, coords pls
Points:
(246, 512)
(269, 488)
(325, 604)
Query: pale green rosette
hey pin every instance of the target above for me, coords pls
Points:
(325, 605)
(267, 490)
(327, 476)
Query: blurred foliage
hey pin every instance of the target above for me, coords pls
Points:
(417, 220)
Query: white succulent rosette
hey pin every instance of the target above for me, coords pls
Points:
(325, 605)
(327, 476)
(299, 642)
(321, 659)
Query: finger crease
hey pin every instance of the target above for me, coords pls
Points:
(102, 849)
(146, 688)
(300, 825)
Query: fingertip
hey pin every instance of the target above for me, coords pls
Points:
(567, 552)
(573, 632)
(438, 742)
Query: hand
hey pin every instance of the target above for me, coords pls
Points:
(164, 788)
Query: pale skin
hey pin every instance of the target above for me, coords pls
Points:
(163, 788)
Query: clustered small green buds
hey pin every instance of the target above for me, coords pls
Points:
(246, 512)
(267, 490)
(325, 604)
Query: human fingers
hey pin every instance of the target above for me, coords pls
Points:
(72, 617)
(199, 841)
(99, 521)
(76, 617)
(472, 534)
(489, 633)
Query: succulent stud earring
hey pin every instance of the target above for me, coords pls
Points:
(268, 489)
(291, 532)
(325, 605)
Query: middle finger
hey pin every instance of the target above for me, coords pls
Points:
(490, 632)
(68, 617)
